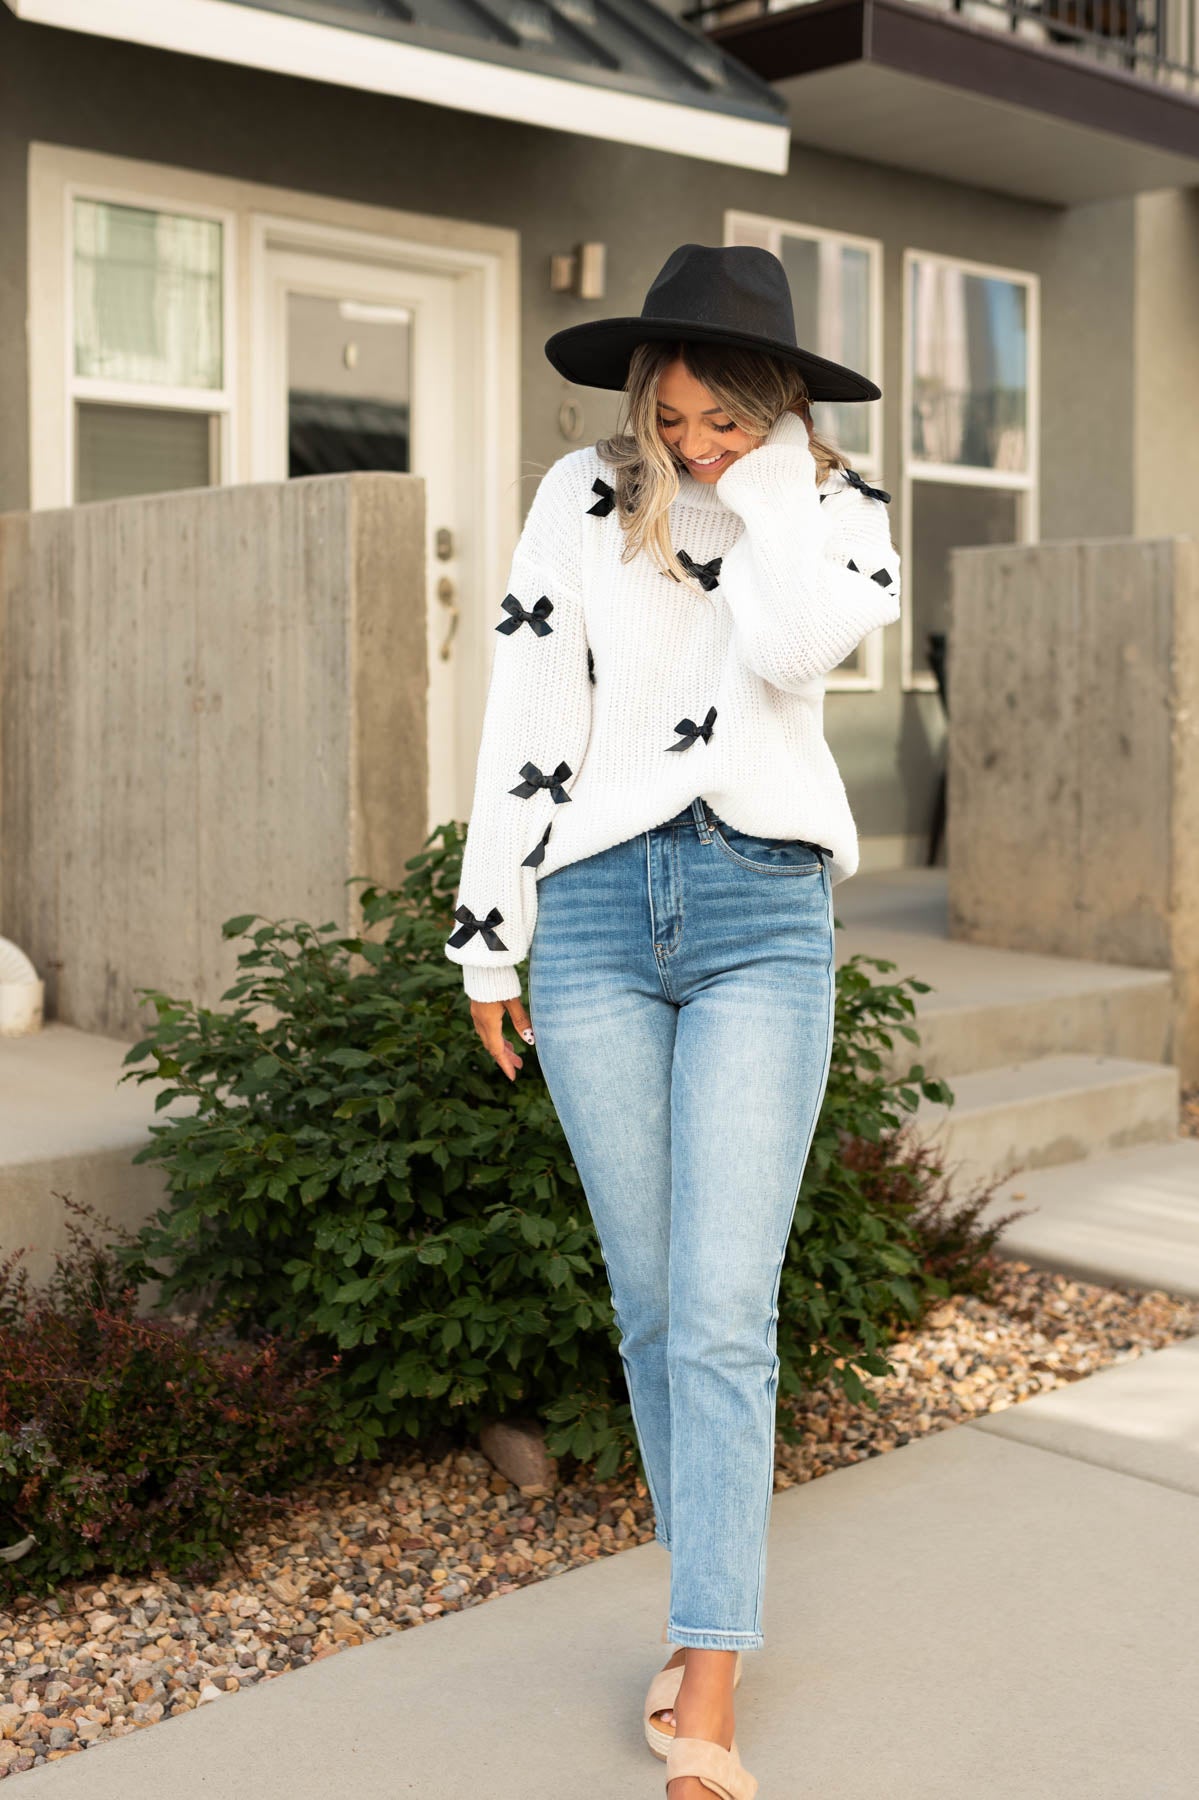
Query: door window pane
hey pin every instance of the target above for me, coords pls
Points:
(349, 385)
(944, 515)
(148, 296)
(968, 357)
(122, 450)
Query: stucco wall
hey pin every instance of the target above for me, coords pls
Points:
(556, 189)
(1166, 433)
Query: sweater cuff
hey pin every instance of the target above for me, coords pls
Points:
(497, 981)
(781, 466)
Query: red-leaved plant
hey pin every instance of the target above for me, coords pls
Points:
(128, 1442)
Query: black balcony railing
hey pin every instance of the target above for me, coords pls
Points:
(1145, 38)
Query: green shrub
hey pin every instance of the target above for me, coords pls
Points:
(357, 1175)
(127, 1442)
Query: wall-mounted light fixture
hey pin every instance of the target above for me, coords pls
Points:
(579, 271)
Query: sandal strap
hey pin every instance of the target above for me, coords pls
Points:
(663, 1690)
(719, 1769)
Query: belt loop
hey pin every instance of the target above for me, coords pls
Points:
(703, 824)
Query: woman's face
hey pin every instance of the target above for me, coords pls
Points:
(703, 437)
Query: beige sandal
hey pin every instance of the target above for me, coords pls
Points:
(719, 1769)
(661, 1696)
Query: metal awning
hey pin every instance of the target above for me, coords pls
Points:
(623, 70)
(1002, 99)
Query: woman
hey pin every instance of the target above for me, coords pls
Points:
(658, 822)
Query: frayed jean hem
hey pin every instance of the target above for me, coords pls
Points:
(715, 1640)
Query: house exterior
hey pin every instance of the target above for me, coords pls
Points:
(247, 240)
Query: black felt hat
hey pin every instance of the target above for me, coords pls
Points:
(715, 294)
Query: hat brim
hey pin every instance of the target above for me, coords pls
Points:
(597, 354)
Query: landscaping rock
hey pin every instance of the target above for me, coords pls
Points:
(517, 1449)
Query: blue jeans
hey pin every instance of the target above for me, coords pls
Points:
(681, 988)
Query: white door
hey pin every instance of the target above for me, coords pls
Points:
(355, 368)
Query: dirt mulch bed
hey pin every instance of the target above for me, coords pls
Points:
(369, 1553)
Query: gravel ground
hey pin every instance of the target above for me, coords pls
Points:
(356, 1558)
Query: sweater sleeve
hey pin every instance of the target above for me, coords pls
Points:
(803, 589)
(536, 725)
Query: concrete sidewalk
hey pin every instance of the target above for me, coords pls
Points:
(1004, 1611)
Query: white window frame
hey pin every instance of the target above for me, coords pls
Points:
(220, 402)
(869, 678)
(1028, 483)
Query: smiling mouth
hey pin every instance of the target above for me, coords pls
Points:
(705, 462)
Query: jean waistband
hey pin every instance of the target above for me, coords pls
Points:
(697, 814)
(699, 817)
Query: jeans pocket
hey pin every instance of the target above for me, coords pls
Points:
(766, 855)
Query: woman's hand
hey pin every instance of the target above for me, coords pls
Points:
(488, 1016)
(792, 428)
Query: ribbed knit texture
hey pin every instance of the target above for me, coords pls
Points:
(632, 663)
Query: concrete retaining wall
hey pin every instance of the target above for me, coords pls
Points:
(1074, 756)
(213, 703)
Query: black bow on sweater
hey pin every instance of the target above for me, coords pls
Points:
(880, 575)
(470, 925)
(691, 730)
(538, 617)
(855, 480)
(534, 779)
(606, 501)
(536, 855)
(707, 574)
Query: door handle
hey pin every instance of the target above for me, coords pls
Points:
(447, 595)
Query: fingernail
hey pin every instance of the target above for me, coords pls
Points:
(528, 1036)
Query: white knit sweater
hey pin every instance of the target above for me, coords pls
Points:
(617, 695)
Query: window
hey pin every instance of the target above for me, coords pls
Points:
(149, 392)
(970, 399)
(836, 290)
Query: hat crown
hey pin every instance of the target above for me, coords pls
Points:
(734, 294)
(739, 287)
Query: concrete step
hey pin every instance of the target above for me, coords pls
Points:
(1055, 1109)
(1131, 1216)
(990, 1008)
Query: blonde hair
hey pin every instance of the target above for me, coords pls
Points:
(752, 386)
